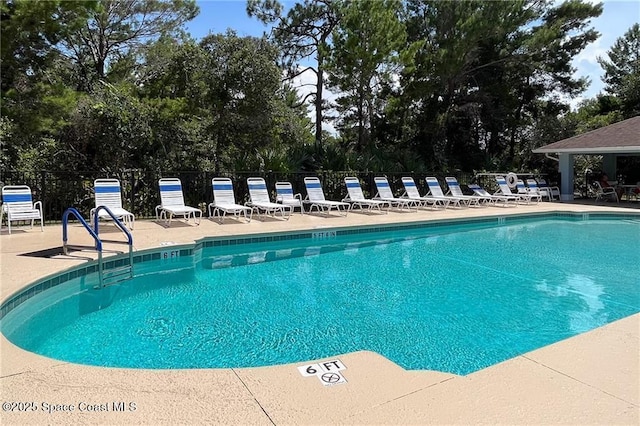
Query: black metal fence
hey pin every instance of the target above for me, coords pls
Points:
(60, 190)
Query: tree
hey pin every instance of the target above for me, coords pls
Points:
(216, 99)
(121, 28)
(302, 34)
(30, 31)
(35, 101)
(474, 92)
(622, 70)
(466, 46)
(109, 130)
(367, 45)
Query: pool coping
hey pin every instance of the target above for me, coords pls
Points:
(573, 381)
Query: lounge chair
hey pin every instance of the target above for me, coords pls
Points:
(411, 192)
(505, 200)
(315, 198)
(454, 190)
(605, 192)
(554, 191)
(260, 201)
(107, 193)
(172, 202)
(527, 193)
(385, 194)
(436, 191)
(19, 206)
(355, 197)
(224, 201)
(285, 195)
(533, 187)
(505, 190)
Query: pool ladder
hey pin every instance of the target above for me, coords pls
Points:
(113, 275)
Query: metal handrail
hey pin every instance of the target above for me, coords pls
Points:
(120, 225)
(65, 221)
(117, 221)
(65, 249)
(94, 233)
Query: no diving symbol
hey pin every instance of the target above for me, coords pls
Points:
(328, 372)
(330, 378)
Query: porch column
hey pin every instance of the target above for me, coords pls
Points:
(566, 176)
(610, 166)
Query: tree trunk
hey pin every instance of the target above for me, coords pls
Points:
(318, 106)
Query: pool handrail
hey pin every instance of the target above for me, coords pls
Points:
(116, 275)
(117, 222)
(65, 222)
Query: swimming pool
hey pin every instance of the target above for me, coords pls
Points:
(453, 298)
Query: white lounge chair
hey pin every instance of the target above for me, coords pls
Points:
(19, 206)
(436, 191)
(285, 195)
(260, 201)
(456, 191)
(526, 193)
(224, 201)
(505, 190)
(554, 191)
(505, 200)
(606, 192)
(315, 198)
(411, 192)
(385, 194)
(533, 188)
(172, 202)
(355, 196)
(107, 193)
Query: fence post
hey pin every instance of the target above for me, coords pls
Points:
(269, 179)
(132, 182)
(43, 191)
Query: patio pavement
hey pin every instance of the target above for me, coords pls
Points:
(592, 378)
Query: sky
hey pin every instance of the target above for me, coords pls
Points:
(216, 16)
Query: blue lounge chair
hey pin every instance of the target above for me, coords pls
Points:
(533, 186)
(454, 190)
(436, 191)
(19, 206)
(315, 198)
(411, 192)
(385, 194)
(285, 195)
(172, 202)
(355, 197)
(505, 200)
(553, 191)
(260, 201)
(224, 201)
(505, 190)
(107, 193)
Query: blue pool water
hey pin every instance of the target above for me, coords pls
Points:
(448, 299)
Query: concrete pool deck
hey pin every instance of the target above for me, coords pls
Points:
(592, 378)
